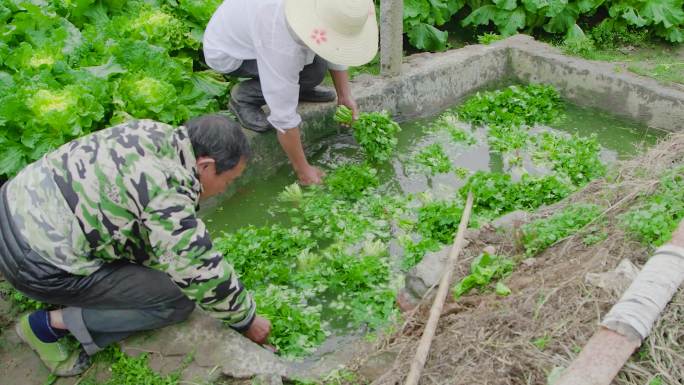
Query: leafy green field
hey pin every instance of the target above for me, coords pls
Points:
(68, 68)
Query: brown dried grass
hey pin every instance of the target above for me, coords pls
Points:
(484, 339)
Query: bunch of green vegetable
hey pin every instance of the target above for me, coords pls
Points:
(376, 132)
(508, 113)
(439, 220)
(496, 194)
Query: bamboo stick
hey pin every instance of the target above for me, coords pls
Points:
(436, 310)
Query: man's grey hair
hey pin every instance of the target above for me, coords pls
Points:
(219, 138)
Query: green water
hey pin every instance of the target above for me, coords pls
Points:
(619, 138)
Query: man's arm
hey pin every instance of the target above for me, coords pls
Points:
(279, 77)
(184, 250)
(290, 141)
(344, 96)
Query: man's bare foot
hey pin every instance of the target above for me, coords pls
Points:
(310, 175)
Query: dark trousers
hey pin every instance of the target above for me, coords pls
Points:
(104, 307)
(250, 89)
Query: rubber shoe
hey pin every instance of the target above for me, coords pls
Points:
(250, 116)
(317, 95)
(55, 355)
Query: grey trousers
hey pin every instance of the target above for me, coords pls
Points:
(112, 303)
(250, 89)
(310, 76)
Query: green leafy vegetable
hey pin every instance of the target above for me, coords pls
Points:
(68, 68)
(350, 181)
(655, 217)
(439, 220)
(434, 159)
(483, 270)
(576, 157)
(376, 132)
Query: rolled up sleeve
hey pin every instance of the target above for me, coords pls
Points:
(337, 67)
(183, 249)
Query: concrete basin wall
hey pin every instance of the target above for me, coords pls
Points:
(597, 84)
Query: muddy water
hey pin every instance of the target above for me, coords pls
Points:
(619, 139)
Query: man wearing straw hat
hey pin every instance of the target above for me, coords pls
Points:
(285, 47)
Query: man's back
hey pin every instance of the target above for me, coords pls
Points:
(86, 202)
(240, 28)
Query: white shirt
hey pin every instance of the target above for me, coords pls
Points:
(257, 29)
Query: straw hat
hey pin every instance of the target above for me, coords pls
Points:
(343, 32)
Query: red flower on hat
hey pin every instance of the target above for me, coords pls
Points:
(319, 36)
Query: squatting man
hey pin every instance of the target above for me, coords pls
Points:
(105, 228)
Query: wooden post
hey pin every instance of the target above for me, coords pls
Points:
(436, 309)
(391, 31)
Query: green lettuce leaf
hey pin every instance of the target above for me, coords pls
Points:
(427, 37)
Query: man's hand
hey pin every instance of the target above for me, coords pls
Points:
(310, 175)
(343, 89)
(259, 330)
(349, 102)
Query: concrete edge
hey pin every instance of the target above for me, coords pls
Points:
(597, 84)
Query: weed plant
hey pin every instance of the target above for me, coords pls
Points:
(542, 233)
(489, 38)
(20, 302)
(126, 370)
(655, 217)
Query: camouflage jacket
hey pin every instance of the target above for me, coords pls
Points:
(127, 192)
